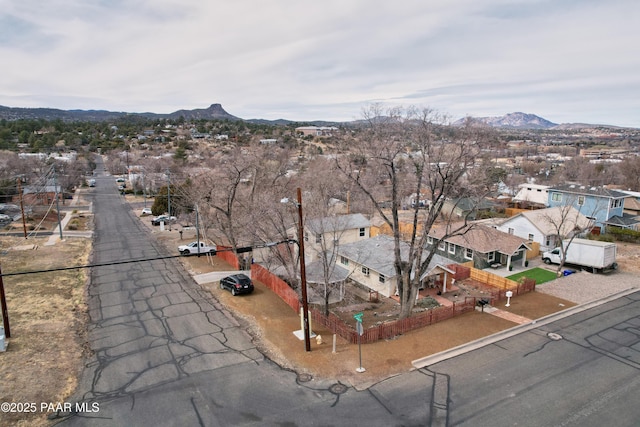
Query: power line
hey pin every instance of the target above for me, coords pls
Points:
(106, 264)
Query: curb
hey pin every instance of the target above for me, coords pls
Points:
(508, 333)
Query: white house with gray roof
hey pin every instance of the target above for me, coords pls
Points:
(541, 225)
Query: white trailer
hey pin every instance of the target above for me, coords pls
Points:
(594, 255)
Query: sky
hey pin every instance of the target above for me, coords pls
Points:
(565, 60)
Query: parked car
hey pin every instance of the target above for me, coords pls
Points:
(192, 248)
(146, 211)
(237, 284)
(163, 218)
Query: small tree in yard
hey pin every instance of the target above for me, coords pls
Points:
(567, 223)
(401, 152)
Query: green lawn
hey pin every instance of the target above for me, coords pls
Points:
(540, 274)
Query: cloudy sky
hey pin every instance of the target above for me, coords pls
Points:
(565, 60)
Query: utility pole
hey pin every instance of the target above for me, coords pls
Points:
(55, 184)
(198, 229)
(144, 191)
(5, 312)
(169, 193)
(303, 276)
(169, 196)
(24, 222)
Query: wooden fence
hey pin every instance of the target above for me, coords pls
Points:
(499, 286)
(390, 329)
(225, 253)
(277, 285)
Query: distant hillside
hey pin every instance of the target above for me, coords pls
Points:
(513, 120)
(215, 111)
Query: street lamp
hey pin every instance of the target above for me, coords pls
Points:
(303, 275)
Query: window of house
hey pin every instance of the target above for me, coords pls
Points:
(362, 232)
(430, 240)
(556, 197)
(580, 200)
(548, 242)
(510, 230)
(468, 253)
(452, 248)
(491, 256)
(344, 261)
(530, 237)
(318, 238)
(381, 278)
(441, 246)
(365, 270)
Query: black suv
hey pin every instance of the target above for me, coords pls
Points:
(237, 284)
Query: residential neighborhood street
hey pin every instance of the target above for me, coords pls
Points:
(167, 353)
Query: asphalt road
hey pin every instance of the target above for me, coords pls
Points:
(167, 354)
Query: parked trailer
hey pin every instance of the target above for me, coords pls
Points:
(594, 255)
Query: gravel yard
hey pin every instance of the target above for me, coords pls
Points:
(583, 287)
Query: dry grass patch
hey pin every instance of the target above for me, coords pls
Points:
(47, 318)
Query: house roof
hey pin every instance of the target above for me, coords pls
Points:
(527, 194)
(483, 239)
(28, 189)
(337, 223)
(588, 191)
(632, 204)
(376, 253)
(544, 219)
(469, 204)
(624, 221)
(315, 273)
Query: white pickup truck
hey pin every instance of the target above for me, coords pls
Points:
(194, 248)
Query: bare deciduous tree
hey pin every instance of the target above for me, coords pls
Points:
(405, 151)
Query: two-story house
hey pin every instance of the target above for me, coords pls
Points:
(482, 245)
(596, 203)
(546, 226)
(324, 234)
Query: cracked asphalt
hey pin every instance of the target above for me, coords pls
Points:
(166, 353)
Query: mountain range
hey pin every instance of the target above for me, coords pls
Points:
(515, 120)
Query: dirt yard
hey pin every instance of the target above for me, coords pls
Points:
(47, 319)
